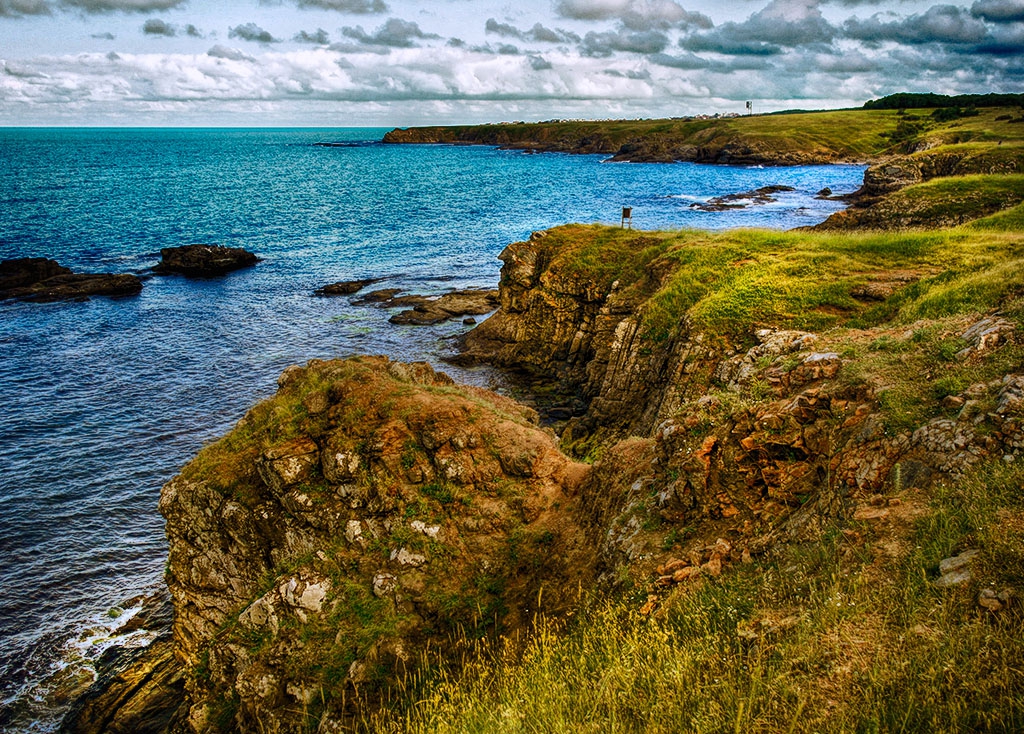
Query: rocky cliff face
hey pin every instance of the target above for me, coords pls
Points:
(882, 204)
(371, 513)
(756, 444)
(313, 561)
(586, 334)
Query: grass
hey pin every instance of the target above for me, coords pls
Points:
(734, 282)
(853, 135)
(835, 636)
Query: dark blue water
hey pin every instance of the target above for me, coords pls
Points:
(104, 400)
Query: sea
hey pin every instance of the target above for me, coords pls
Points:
(103, 400)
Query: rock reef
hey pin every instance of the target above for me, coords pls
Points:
(203, 261)
(41, 279)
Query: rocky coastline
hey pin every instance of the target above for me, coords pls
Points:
(371, 508)
(708, 145)
(707, 404)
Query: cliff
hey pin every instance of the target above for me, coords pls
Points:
(366, 512)
(734, 398)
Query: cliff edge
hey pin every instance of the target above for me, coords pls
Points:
(735, 401)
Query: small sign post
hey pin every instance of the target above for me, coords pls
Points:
(627, 217)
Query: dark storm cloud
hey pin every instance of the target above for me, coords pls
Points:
(608, 42)
(1004, 41)
(108, 36)
(999, 11)
(319, 36)
(395, 32)
(359, 7)
(782, 23)
(939, 24)
(19, 8)
(252, 32)
(637, 15)
(539, 63)
(192, 31)
(157, 27)
(502, 29)
(538, 33)
(717, 44)
(231, 54)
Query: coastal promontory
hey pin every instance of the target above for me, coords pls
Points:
(793, 458)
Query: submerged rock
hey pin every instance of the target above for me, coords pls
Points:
(450, 305)
(41, 279)
(741, 200)
(345, 287)
(200, 261)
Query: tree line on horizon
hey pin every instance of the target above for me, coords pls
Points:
(916, 101)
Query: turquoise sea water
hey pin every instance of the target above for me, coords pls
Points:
(105, 399)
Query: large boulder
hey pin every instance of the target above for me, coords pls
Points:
(203, 261)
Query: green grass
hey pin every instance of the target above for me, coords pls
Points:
(734, 282)
(835, 636)
(859, 135)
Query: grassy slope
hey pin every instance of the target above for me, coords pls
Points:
(846, 634)
(839, 636)
(842, 134)
(847, 135)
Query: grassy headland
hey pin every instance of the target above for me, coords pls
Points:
(845, 628)
(905, 148)
(797, 137)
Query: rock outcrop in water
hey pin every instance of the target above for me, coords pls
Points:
(41, 279)
(203, 261)
(345, 287)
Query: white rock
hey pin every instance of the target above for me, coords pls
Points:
(383, 584)
(406, 557)
(430, 531)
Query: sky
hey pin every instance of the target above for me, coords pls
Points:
(409, 62)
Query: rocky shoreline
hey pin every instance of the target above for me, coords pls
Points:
(372, 507)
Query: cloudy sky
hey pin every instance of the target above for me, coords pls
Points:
(401, 62)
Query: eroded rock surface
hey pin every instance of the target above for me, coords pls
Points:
(310, 561)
